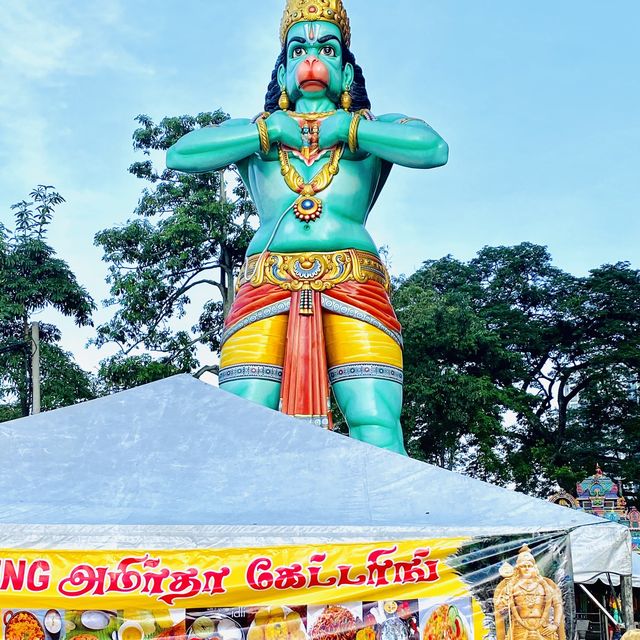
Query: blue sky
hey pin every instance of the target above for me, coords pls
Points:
(539, 102)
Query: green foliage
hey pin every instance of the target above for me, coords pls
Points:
(33, 279)
(519, 372)
(122, 372)
(63, 382)
(186, 241)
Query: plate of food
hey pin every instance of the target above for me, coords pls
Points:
(276, 623)
(211, 625)
(366, 633)
(445, 622)
(53, 623)
(334, 622)
(22, 625)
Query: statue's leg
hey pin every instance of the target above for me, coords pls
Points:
(372, 408)
(251, 361)
(365, 370)
(264, 392)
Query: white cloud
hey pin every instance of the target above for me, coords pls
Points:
(40, 39)
(45, 45)
(31, 44)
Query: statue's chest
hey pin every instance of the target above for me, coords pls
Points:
(343, 183)
(310, 151)
(529, 596)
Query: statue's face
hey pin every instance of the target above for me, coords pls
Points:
(314, 67)
(527, 569)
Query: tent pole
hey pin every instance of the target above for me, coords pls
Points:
(606, 613)
(626, 595)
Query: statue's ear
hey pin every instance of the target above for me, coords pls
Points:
(281, 74)
(347, 76)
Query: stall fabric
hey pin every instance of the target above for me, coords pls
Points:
(615, 578)
(176, 508)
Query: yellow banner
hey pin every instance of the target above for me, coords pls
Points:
(292, 575)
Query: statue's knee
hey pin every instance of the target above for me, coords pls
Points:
(362, 409)
(372, 411)
(264, 392)
(385, 437)
(378, 425)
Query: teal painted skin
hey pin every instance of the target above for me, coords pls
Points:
(370, 406)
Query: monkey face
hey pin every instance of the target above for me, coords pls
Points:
(314, 65)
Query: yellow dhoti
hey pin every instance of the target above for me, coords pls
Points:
(343, 328)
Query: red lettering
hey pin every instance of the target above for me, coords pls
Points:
(184, 584)
(290, 577)
(125, 579)
(83, 579)
(314, 573)
(378, 570)
(318, 557)
(38, 577)
(213, 580)
(153, 581)
(345, 578)
(13, 575)
(414, 570)
(258, 575)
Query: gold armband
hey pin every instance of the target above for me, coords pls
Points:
(265, 144)
(353, 132)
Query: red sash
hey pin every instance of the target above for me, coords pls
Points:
(304, 391)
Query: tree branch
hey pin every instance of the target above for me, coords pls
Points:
(212, 368)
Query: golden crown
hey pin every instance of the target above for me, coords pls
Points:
(311, 10)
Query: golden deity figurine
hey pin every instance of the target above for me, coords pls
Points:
(527, 606)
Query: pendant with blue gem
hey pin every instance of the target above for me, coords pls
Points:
(307, 208)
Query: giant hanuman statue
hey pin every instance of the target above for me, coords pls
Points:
(312, 308)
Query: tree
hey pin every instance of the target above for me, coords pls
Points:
(186, 242)
(33, 279)
(457, 371)
(508, 359)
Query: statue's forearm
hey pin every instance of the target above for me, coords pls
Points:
(413, 144)
(212, 148)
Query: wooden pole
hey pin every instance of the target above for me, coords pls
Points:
(35, 367)
(626, 595)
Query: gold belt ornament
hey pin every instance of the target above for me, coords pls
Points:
(315, 270)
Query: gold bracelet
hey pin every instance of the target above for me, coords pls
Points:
(265, 145)
(353, 132)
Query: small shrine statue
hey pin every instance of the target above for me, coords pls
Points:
(312, 307)
(527, 606)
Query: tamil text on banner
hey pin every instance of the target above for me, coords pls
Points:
(504, 588)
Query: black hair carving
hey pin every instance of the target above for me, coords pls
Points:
(359, 97)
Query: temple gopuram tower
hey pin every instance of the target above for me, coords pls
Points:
(601, 496)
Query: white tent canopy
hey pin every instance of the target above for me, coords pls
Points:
(178, 462)
(615, 579)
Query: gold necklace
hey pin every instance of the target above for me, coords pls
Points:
(307, 207)
(311, 115)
